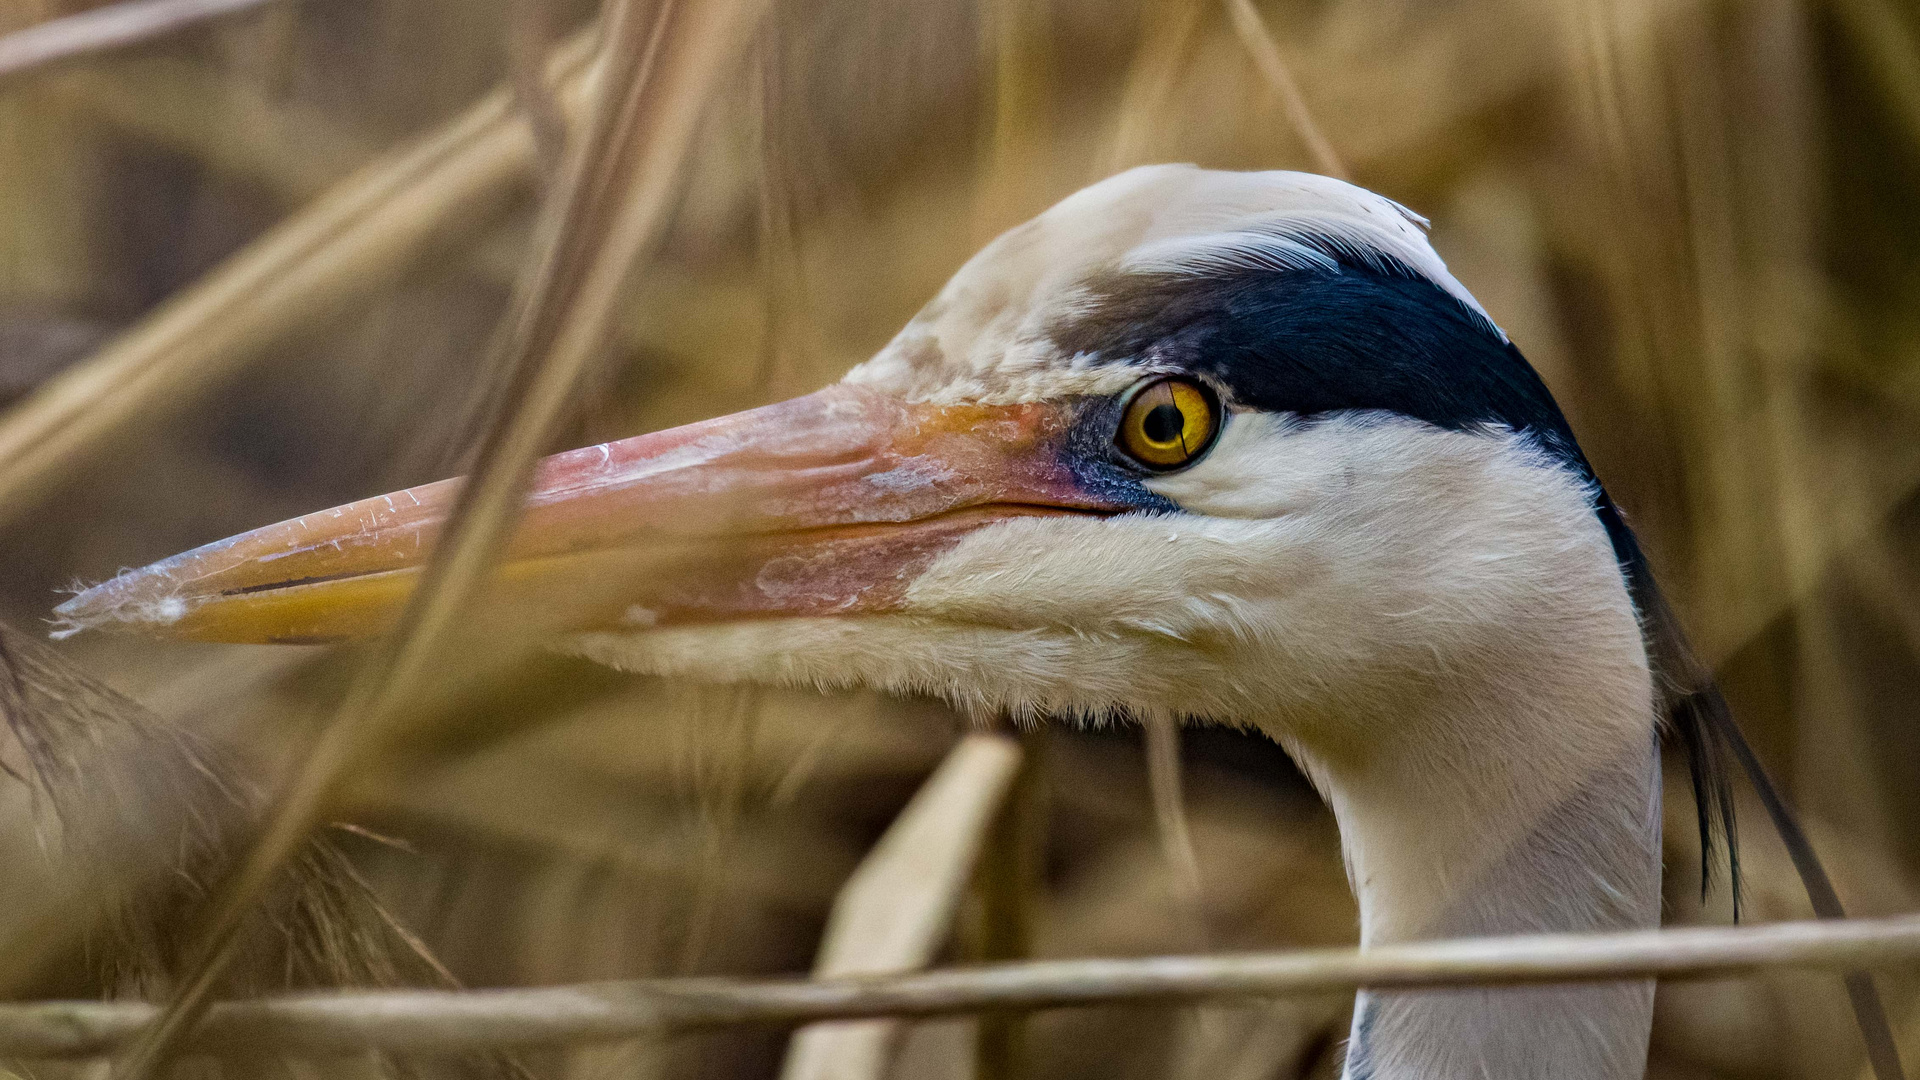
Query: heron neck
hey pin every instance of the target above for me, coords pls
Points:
(1466, 840)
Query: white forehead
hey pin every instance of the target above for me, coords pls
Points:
(985, 336)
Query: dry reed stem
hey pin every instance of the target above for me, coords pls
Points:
(1167, 38)
(1783, 336)
(1253, 33)
(614, 204)
(1170, 818)
(1877, 575)
(1908, 1044)
(1014, 185)
(296, 150)
(787, 334)
(899, 905)
(103, 28)
(530, 34)
(722, 784)
(352, 241)
(443, 1021)
(1008, 886)
(1892, 54)
(1623, 94)
(1167, 791)
(1846, 537)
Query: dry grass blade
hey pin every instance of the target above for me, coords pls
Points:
(1014, 185)
(1253, 33)
(103, 28)
(899, 905)
(1892, 52)
(93, 762)
(529, 40)
(298, 152)
(1167, 791)
(1169, 35)
(1170, 816)
(1909, 1045)
(439, 1021)
(351, 242)
(785, 341)
(614, 203)
(1010, 885)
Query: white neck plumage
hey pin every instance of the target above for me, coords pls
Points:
(1435, 850)
(1459, 667)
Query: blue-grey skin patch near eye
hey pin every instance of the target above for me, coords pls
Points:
(1097, 467)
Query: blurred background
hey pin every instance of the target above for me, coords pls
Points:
(1696, 218)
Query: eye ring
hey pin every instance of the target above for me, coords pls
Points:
(1168, 423)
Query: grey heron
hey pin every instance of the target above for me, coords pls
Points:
(1207, 446)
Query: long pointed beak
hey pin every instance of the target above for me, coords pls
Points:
(829, 503)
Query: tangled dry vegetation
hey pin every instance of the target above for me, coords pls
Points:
(259, 266)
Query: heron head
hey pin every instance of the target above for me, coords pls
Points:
(1216, 445)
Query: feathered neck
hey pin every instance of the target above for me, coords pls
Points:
(1557, 833)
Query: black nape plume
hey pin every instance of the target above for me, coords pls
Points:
(1697, 714)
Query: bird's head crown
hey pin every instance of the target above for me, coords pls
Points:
(1003, 328)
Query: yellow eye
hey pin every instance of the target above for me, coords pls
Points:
(1168, 422)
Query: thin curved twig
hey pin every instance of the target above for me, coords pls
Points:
(446, 1021)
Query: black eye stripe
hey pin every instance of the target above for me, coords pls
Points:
(1369, 336)
(1316, 342)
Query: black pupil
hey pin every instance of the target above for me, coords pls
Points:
(1163, 424)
